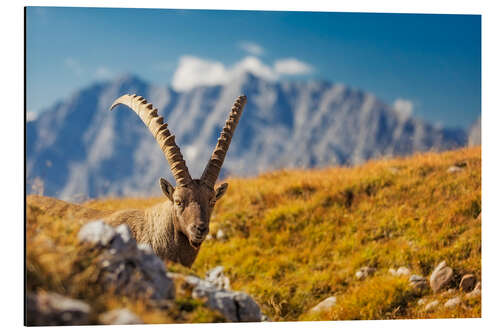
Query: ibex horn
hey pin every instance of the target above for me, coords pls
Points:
(149, 116)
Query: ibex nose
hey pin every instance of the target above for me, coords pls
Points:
(202, 228)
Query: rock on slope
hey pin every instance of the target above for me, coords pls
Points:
(78, 148)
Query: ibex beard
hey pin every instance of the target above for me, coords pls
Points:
(176, 228)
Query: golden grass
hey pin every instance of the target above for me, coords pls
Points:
(296, 237)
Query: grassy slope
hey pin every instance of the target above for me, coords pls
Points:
(297, 237)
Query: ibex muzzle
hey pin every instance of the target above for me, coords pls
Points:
(176, 228)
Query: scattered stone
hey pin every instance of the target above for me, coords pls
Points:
(452, 302)
(421, 301)
(216, 277)
(119, 317)
(124, 232)
(403, 271)
(146, 248)
(431, 305)
(125, 267)
(96, 233)
(134, 273)
(416, 278)
(454, 169)
(418, 282)
(392, 271)
(441, 276)
(475, 293)
(264, 318)
(467, 282)
(51, 309)
(364, 272)
(209, 237)
(247, 310)
(325, 305)
(220, 235)
(234, 306)
(450, 291)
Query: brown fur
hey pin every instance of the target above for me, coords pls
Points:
(175, 228)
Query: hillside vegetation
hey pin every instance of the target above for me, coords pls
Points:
(292, 238)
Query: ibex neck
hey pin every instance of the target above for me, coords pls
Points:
(166, 238)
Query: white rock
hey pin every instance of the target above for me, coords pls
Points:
(450, 291)
(146, 248)
(96, 233)
(55, 309)
(454, 169)
(364, 272)
(120, 317)
(234, 306)
(217, 278)
(402, 271)
(392, 271)
(473, 294)
(416, 278)
(418, 282)
(124, 231)
(421, 301)
(453, 302)
(431, 305)
(220, 234)
(441, 276)
(325, 305)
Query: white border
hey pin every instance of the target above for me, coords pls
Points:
(12, 85)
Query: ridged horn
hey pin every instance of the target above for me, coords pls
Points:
(149, 116)
(215, 163)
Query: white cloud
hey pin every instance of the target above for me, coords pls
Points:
(74, 66)
(191, 152)
(103, 73)
(31, 116)
(256, 67)
(251, 47)
(404, 107)
(193, 71)
(291, 66)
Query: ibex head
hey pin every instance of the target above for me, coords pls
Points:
(192, 199)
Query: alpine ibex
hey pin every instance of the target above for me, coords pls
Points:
(176, 228)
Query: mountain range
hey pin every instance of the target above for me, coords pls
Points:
(78, 149)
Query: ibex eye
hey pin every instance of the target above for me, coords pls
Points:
(178, 203)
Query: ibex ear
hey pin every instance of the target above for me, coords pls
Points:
(220, 190)
(167, 189)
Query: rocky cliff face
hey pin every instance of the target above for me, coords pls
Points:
(79, 149)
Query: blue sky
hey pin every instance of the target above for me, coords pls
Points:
(426, 64)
